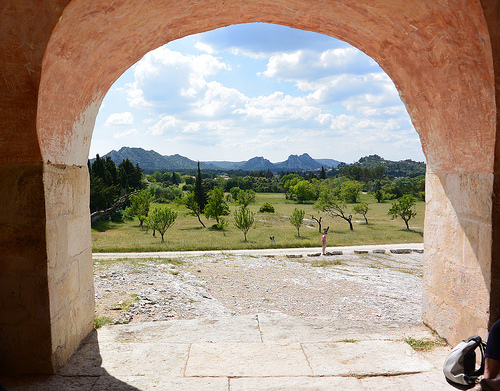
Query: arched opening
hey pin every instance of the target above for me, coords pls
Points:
(436, 54)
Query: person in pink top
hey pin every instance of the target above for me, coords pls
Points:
(323, 241)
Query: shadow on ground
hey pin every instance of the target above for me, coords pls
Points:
(83, 372)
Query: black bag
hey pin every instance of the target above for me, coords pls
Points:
(460, 366)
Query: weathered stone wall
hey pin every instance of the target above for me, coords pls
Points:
(442, 57)
(457, 237)
(25, 332)
(47, 295)
(69, 257)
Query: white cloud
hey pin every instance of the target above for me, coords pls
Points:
(192, 127)
(205, 47)
(126, 133)
(164, 124)
(168, 79)
(120, 119)
(219, 101)
(282, 64)
(248, 100)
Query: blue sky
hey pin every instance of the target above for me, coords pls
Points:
(257, 90)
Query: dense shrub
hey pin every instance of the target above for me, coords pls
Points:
(267, 207)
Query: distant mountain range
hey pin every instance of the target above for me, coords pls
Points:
(151, 161)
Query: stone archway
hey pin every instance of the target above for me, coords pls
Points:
(438, 55)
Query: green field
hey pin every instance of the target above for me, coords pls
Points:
(188, 234)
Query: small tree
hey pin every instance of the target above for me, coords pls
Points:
(161, 219)
(361, 209)
(331, 204)
(404, 207)
(223, 224)
(243, 220)
(139, 206)
(193, 207)
(297, 219)
(245, 197)
(216, 205)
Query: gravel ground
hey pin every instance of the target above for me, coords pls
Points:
(372, 287)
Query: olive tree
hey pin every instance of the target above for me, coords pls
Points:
(404, 207)
(297, 219)
(361, 209)
(161, 219)
(330, 203)
(216, 205)
(139, 206)
(243, 220)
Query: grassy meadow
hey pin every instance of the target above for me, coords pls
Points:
(188, 234)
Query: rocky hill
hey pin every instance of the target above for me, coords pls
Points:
(151, 161)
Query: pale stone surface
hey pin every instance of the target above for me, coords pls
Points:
(230, 329)
(287, 329)
(259, 360)
(160, 383)
(364, 358)
(141, 359)
(116, 363)
(428, 381)
(296, 384)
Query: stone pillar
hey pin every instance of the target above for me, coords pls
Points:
(69, 258)
(46, 300)
(25, 332)
(457, 263)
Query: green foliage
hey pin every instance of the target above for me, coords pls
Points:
(403, 168)
(216, 205)
(200, 195)
(139, 206)
(164, 193)
(223, 224)
(425, 344)
(361, 209)
(234, 191)
(267, 207)
(104, 185)
(189, 180)
(322, 174)
(289, 180)
(245, 197)
(102, 320)
(130, 177)
(188, 234)
(379, 196)
(401, 186)
(193, 207)
(330, 202)
(297, 219)
(303, 190)
(404, 207)
(243, 220)
(161, 219)
(364, 174)
(349, 191)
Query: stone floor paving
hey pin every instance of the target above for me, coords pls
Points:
(251, 352)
